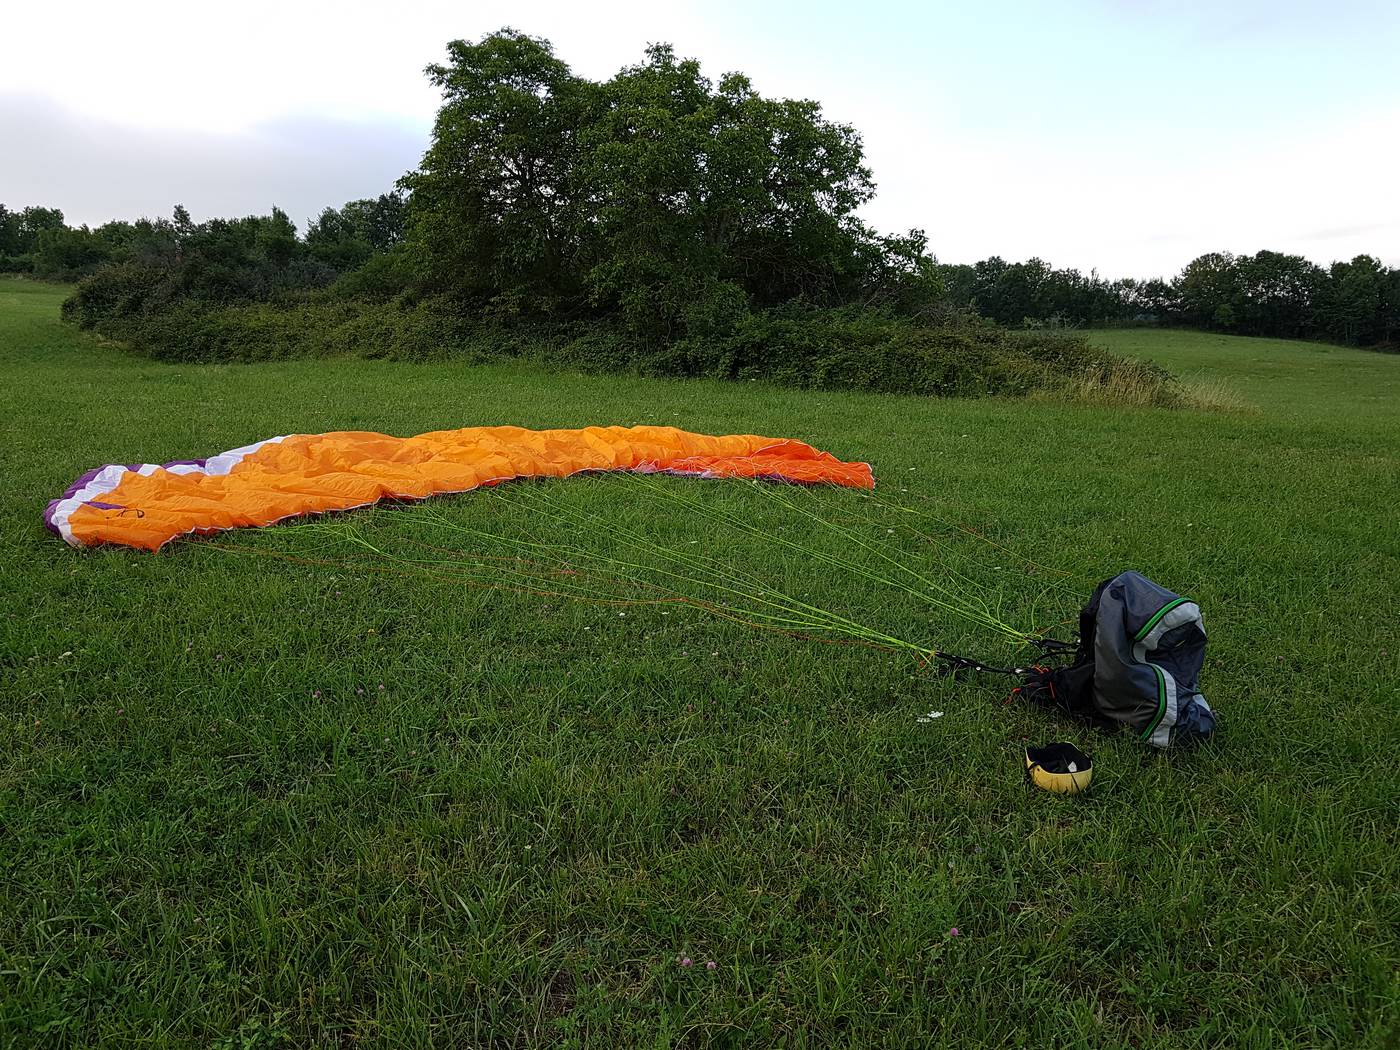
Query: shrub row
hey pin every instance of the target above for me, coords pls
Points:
(846, 349)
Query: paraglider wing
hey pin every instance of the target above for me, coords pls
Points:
(148, 505)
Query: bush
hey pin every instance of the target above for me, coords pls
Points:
(115, 299)
(866, 350)
(312, 327)
(383, 277)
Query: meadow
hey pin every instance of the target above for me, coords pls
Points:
(255, 794)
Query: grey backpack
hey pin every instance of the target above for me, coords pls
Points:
(1137, 664)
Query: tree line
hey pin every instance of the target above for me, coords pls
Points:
(224, 260)
(1268, 293)
(229, 260)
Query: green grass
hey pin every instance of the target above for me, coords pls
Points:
(513, 841)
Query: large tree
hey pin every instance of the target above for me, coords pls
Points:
(1278, 292)
(1353, 302)
(1209, 291)
(495, 196)
(660, 195)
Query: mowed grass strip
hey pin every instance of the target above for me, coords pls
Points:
(251, 801)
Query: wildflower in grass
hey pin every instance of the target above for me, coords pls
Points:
(687, 962)
(954, 932)
(316, 692)
(218, 656)
(381, 687)
(711, 965)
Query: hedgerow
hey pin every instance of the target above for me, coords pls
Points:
(811, 348)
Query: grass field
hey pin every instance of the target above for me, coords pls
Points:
(250, 802)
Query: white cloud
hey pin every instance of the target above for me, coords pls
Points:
(1143, 209)
(96, 170)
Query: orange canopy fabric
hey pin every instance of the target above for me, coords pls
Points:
(146, 506)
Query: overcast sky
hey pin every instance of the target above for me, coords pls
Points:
(1123, 135)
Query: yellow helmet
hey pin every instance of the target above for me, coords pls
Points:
(1059, 767)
